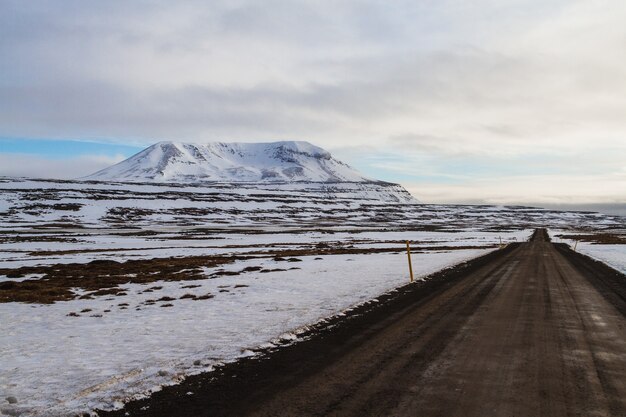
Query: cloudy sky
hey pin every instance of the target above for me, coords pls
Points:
(497, 101)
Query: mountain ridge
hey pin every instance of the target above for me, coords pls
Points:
(290, 161)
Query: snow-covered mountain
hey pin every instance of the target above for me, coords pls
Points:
(231, 162)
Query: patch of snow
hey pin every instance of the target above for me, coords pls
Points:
(612, 255)
(58, 364)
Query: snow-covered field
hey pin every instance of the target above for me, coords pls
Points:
(611, 254)
(614, 255)
(55, 363)
(282, 256)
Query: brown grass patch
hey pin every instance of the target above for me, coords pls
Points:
(101, 277)
(598, 238)
(104, 277)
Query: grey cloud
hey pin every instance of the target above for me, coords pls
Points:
(16, 165)
(448, 78)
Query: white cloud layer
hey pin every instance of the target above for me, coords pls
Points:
(531, 190)
(463, 90)
(17, 165)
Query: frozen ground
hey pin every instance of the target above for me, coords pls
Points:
(55, 363)
(611, 254)
(234, 269)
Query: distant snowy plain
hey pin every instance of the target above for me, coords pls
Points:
(84, 354)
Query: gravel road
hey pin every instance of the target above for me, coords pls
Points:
(532, 330)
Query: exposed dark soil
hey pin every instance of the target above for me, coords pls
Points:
(42, 207)
(287, 254)
(103, 277)
(16, 238)
(334, 248)
(100, 277)
(598, 238)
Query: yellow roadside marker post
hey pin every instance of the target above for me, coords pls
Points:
(408, 254)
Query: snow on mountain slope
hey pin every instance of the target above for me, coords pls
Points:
(232, 162)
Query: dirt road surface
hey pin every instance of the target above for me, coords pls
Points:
(533, 330)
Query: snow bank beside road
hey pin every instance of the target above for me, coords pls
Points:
(56, 364)
(612, 255)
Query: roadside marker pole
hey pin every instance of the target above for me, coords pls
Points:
(575, 244)
(408, 254)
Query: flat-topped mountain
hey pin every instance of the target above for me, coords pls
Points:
(291, 161)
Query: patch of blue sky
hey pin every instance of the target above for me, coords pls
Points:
(62, 149)
(447, 169)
